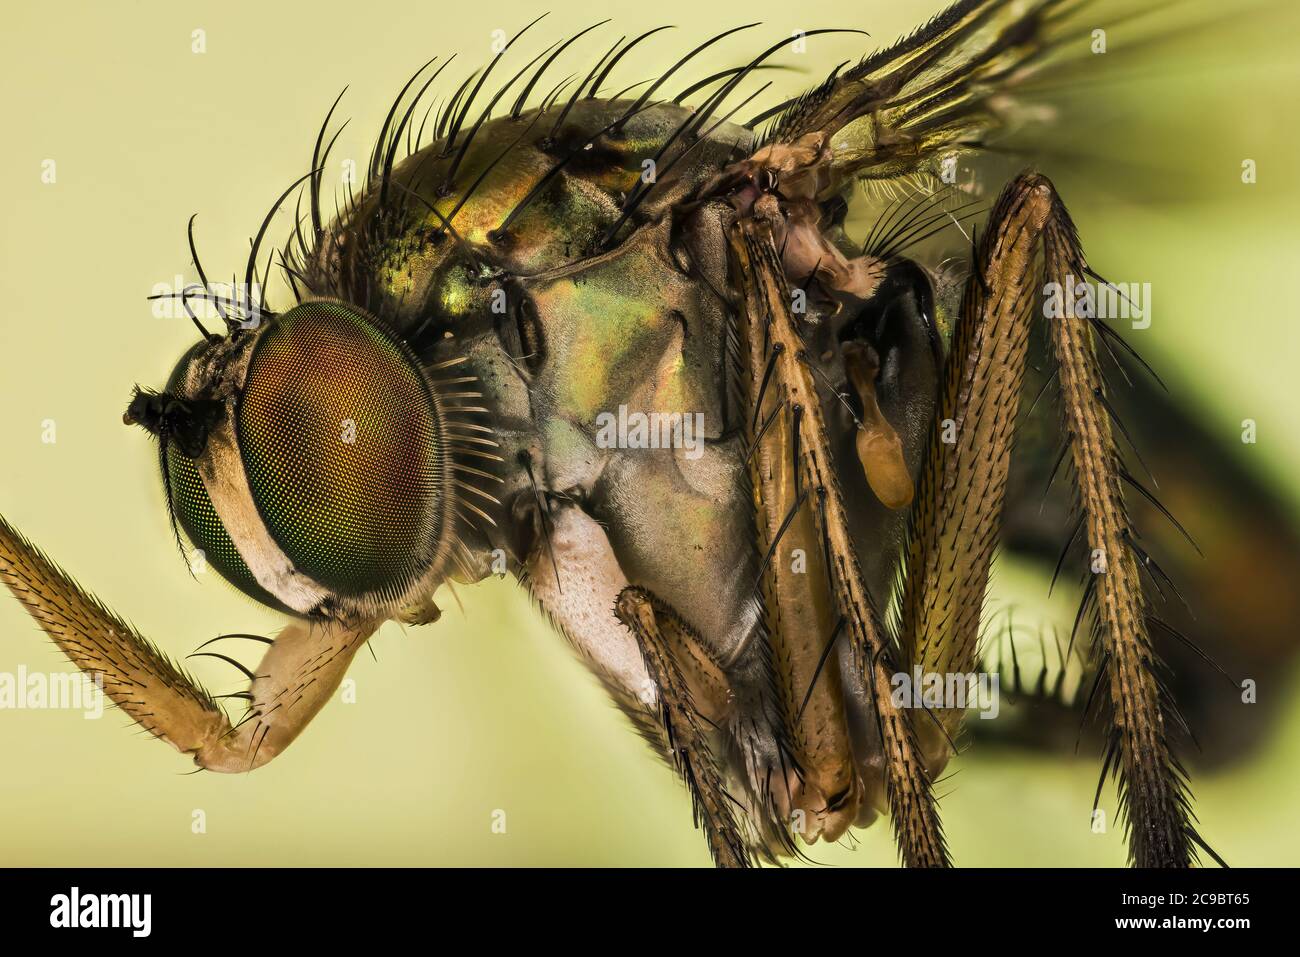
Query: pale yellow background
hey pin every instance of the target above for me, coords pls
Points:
(487, 710)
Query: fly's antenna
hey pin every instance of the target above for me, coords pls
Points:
(153, 411)
(168, 494)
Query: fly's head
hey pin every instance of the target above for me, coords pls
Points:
(307, 458)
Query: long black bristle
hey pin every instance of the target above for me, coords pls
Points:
(450, 110)
(317, 162)
(522, 99)
(261, 234)
(381, 141)
(391, 153)
(667, 74)
(600, 80)
(487, 112)
(459, 120)
(546, 179)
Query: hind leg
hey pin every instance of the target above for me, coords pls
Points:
(957, 514)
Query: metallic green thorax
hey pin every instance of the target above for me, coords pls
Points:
(571, 311)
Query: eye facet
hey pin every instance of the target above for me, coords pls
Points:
(342, 440)
(196, 515)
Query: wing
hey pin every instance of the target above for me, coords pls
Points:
(946, 87)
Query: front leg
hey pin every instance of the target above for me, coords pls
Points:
(958, 506)
(299, 673)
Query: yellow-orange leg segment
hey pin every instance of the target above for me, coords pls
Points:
(682, 672)
(299, 672)
(774, 353)
(958, 507)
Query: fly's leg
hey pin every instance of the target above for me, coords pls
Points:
(654, 666)
(692, 694)
(300, 671)
(822, 793)
(1152, 783)
(958, 506)
(956, 514)
(774, 357)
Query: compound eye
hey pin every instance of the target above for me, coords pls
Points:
(342, 441)
(195, 513)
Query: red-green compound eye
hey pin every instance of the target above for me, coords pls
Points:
(341, 440)
(196, 515)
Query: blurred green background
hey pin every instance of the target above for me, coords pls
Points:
(488, 711)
